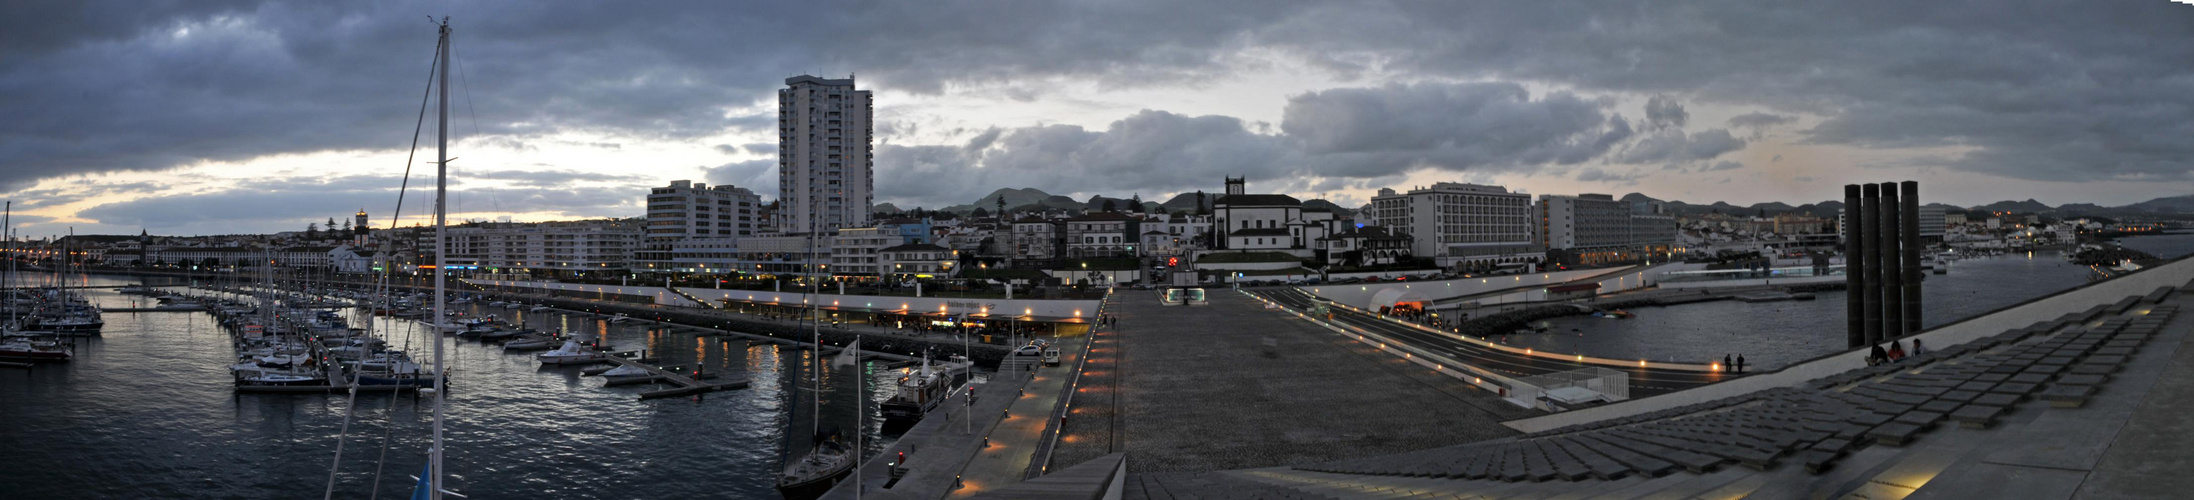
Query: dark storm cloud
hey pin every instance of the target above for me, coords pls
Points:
(2060, 91)
(1336, 135)
(2044, 90)
(1759, 120)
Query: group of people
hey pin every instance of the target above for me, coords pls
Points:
(1734, 366)
(1108, 320)
(1895, 352)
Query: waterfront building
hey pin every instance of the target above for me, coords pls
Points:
(783, 254)
(824, 158)
(685, 211)
(918, 260)
(853, 251)
(551, 248)
(1595, 229)
(1462, 225)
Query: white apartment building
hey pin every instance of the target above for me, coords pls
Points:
(685, 211)
(921, 260)
(853, 252)
(825, 163)
(559, 246)
(1598, 229)
(1462, 224)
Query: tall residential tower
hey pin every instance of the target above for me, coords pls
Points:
(825, 164)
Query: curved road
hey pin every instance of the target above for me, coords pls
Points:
(1643, 381)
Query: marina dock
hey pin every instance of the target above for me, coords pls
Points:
(686, 385)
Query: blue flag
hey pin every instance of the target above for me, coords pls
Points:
(425, 489)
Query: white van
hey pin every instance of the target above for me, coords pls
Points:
(1051, 356)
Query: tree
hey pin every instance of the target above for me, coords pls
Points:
(1108, 206)
(312, 230)
(979, 213)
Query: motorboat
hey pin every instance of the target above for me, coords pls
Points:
(540, 309)
(32, 350)
(571, 353)
(530, 343)
(626, 374)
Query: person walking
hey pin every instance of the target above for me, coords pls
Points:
(1740, 363)
(1726, 364)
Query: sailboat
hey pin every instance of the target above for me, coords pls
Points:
(828, 460)
(12, 343)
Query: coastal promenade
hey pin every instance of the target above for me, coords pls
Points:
(2083, 394)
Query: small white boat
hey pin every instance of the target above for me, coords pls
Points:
(619, 318)
(571, 353)
(539, 308)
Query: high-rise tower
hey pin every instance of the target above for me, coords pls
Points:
(825, 163)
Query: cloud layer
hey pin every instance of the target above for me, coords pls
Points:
(2044, 91)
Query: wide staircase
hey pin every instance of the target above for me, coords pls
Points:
(1815, 427)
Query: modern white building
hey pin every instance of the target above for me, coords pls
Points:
(853, 252)
(1463, 224)
(559, 246)
(919, 260)
(685, 211)
(825, 163)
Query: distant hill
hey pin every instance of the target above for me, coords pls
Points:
(2174, 205)
(885, 208)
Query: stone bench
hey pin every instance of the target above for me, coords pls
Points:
(2066, 396)
(1977, 416)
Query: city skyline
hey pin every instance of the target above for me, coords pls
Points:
(219, 118)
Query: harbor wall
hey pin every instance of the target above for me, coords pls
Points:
(1361, 295)
(661, 295)
(1055, 308)
(2021, 315)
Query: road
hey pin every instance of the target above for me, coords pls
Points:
(1643, 381)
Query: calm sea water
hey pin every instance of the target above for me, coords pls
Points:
(148, 411)
(1774, 334)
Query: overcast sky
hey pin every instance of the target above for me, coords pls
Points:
(206, 117)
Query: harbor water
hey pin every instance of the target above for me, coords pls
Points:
(148, 410)
(1771, 335)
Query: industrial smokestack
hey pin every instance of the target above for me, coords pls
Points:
(1871, 293)
(1854, 270)
(1893, 276)
(1912, 246)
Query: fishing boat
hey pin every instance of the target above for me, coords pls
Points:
(919, 392)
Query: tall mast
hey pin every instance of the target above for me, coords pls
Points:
(441, 260)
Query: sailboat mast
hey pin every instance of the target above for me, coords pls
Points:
(441, 255)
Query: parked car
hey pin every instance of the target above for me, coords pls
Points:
(1029, 350)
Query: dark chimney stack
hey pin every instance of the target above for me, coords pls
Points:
(1854, 269)
(1881, 262)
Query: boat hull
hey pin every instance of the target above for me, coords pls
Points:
(814, 488)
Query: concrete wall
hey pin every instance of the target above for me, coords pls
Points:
(1793, 280)
(1013, 307)
(1360, 295)
(661, 295)
(2017, 316)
